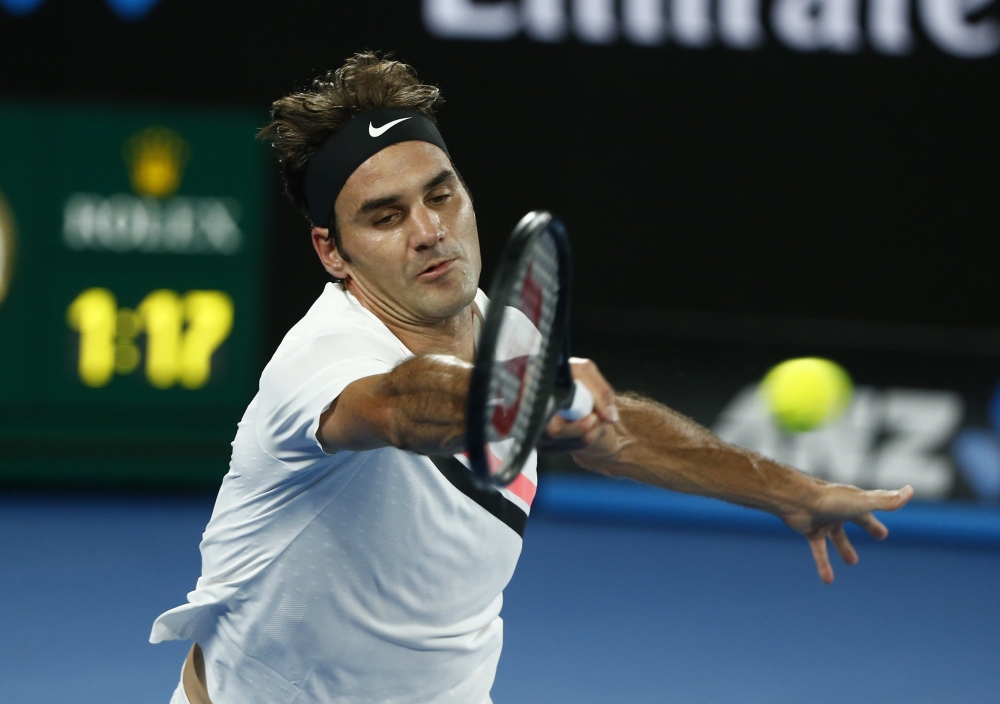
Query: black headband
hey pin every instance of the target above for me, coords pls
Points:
(364, 136)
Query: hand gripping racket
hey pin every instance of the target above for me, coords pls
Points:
(521, 376)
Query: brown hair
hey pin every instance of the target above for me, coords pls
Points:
(302, 122)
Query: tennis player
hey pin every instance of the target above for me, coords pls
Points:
(341, 562)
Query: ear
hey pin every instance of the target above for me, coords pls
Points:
(329, 255)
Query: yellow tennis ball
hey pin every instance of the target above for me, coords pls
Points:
(806, 393)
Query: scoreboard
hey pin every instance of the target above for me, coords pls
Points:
(131, 252)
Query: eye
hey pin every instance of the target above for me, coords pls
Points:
(441, 198)
(386, 220)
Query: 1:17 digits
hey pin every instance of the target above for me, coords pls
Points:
(182, 332)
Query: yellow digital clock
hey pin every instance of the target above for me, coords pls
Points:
(131, 330)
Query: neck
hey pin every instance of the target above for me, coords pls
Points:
(451, 336)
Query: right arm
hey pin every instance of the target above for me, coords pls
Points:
(418, 406)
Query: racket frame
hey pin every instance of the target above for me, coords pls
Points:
(556, 382)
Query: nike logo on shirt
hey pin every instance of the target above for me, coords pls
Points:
(379, 131)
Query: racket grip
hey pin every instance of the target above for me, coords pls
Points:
(582, 405)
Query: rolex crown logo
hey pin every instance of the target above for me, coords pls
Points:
(156, 158)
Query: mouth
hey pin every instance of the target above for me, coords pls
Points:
(436, 270)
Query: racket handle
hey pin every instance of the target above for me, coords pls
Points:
(582, 405)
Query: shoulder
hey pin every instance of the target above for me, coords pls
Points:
(336, 331)
(336, 318)
(335, 311)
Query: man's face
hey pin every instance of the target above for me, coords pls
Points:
(409, 230)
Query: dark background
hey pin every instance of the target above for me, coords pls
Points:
(728, 209)
(857, 187)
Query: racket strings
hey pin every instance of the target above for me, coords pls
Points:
(519, 362)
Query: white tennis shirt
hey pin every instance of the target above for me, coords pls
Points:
(371, 576)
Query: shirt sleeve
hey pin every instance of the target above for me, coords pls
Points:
(297, 388)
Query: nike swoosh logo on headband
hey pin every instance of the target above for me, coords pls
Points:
(379, 131)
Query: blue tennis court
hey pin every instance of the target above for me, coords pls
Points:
(599, 611)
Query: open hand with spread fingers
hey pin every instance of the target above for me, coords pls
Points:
(637, 438)
(835, 505)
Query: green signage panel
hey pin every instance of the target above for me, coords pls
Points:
(131, 247)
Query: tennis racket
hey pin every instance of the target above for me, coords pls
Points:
(521, 376)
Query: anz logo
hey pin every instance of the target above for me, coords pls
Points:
(886, 438)
(125, 9)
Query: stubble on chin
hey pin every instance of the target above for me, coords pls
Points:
(443, 303)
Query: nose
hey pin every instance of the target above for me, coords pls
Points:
(426, 228)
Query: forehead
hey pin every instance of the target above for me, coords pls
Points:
(397, 170)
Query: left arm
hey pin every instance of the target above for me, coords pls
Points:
(632, 437)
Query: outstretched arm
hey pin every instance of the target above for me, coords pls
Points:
(418, 406)
(652, 444)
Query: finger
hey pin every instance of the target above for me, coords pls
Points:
(549, 446)
(556, 426)
(872, 525)
(604, 395)
(880, 500)
(840, 540)
(818, 545)
(562, 429)
(593, 436)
